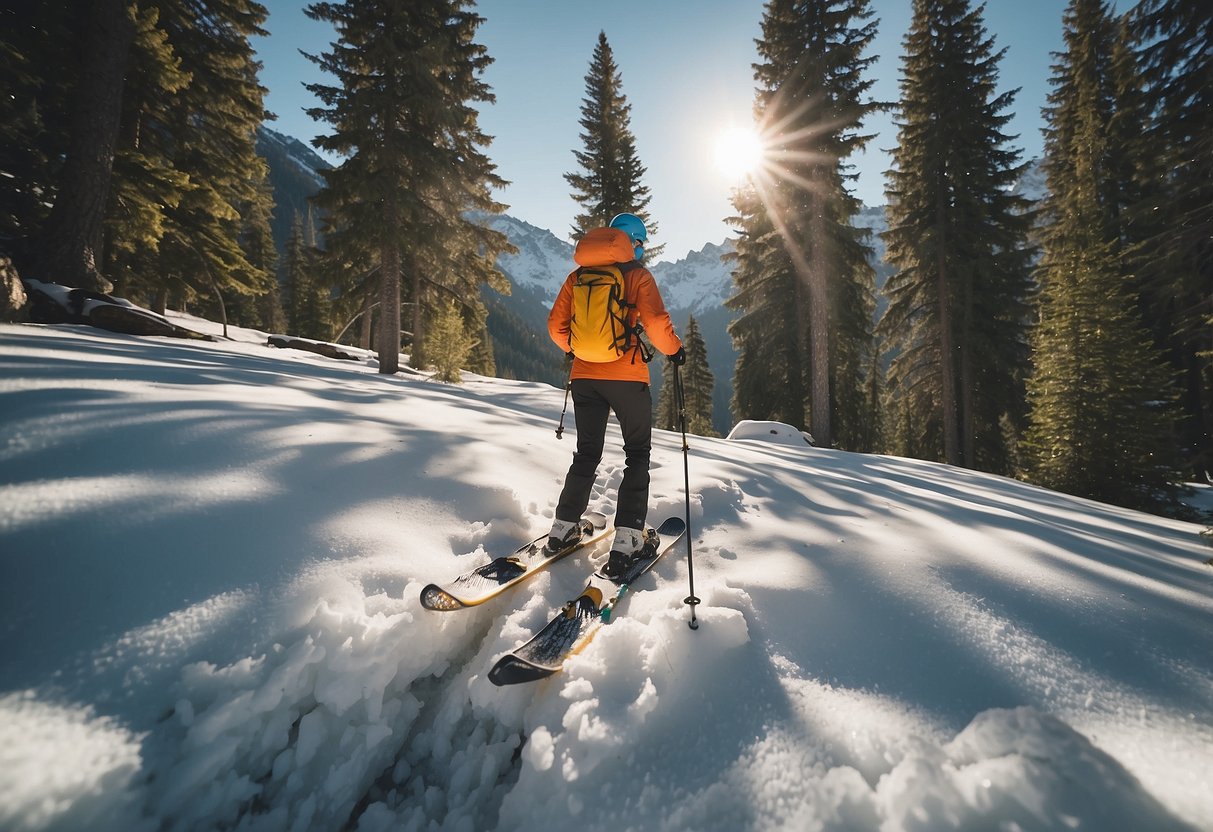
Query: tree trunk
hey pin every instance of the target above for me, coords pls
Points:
(222, 305)
(389, 307)
(368, 311)
(968, 419)
(819, 333)
(68, 249)
(947, 364)
(418, 349)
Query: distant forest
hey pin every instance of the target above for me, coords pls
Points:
(1067, 342)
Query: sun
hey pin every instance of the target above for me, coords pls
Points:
(739, 152)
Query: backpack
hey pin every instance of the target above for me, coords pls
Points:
(602, 328)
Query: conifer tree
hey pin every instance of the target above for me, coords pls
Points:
(67, 248)
(159, 183)
(957, 314)
(214, 122)
(452, 347)
(1170, 225)
(610, 179)
(666, 417)
(481, 357)
(1101, 420)
(402, 112)
(39, 52)
(190, 180)
(257, 243)
(804, 283)
(308, 302)
(147, 185)
(697, 383)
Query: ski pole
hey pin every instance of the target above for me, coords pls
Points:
(680, 400)
(568, 385)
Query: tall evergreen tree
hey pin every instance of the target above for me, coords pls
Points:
(804, 282)
(450, 333)
(666, 417)
(67, 248)
(159, 185)
(610, 179)
(1100, 400)
(257, 243)
(403, 116)
(1171, 224)
(39, 51)
(147, 186)
(697, 383)
(190, 183)
(308, 301)
(214, 122)
(958, 302)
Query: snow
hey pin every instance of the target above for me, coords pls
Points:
(765, 431)
(209, 619)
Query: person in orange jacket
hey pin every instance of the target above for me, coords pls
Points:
(621, 386)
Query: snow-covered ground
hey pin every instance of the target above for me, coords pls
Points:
(210, 560)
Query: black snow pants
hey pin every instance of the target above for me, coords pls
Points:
(593, 401)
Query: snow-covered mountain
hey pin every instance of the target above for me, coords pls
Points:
(542, 261)
(1033, 184)
(698, 282)
(301, 158)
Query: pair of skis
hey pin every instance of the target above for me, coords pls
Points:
(575, 624)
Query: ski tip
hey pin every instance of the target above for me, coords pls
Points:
(434, 597)
(511, 670)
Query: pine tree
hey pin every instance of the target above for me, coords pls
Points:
(39, 55)
(160, 181)
(190, 181)
(403, 116)
(1100, 400)
(257, 243)
(147, 185)
(1171, 223)
(610, 179)
(957, 314)
(214, 121)
(67, 248)
(454, 349)
(804, 283)
(666, 417)
(697, 383)
(308, 302)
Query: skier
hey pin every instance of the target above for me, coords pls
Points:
(622, 386)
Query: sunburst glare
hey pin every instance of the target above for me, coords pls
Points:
(739, 152)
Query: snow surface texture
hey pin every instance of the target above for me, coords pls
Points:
(209, 619)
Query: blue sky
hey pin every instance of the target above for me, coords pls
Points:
(687, 72)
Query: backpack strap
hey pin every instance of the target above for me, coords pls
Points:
(636, 328)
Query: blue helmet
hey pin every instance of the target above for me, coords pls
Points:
(633, 226)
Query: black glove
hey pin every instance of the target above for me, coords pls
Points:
(679, 358)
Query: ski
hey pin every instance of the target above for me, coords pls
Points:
(573, 627)
(499, 574)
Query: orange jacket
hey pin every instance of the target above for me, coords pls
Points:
(641, 292)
